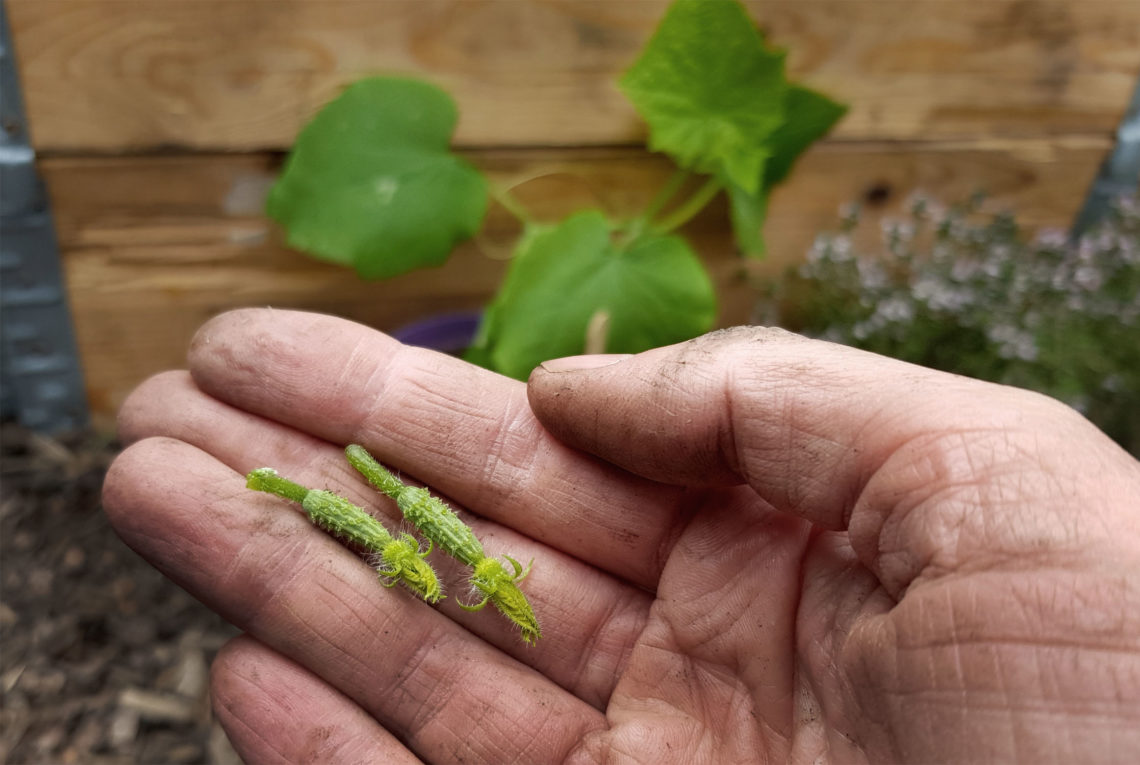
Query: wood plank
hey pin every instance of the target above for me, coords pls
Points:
(153, 246)
(136, 75)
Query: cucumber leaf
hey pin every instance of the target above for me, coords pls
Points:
(371, 181)
(809, 115)
(710, 89)
(747, 212)
(653, 289)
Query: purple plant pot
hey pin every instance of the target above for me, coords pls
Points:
(450, 333)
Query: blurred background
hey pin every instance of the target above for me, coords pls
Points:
(156, 127)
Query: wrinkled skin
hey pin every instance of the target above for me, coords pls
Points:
(748, 548)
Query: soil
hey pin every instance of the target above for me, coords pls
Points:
(102, 659)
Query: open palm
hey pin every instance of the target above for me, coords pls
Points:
(747, 548)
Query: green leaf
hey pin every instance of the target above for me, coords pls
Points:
(808, 117)
(710, 89)
(654, 291)
(748, 212)
(371, 182)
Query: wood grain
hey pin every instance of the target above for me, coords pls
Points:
(153, 246)
(141, 75)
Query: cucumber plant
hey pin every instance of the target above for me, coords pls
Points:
(372, 183)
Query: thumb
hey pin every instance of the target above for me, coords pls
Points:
(840, 437)
(803, 422)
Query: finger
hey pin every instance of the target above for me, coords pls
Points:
(446, 693)
(589, 620)
(925, 469)
(275, 710)
(462, 430)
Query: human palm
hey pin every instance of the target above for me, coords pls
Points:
(782, 551)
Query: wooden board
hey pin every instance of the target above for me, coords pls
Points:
(140, 75)
(153, 246)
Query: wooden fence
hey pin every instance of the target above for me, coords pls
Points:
(161, 123)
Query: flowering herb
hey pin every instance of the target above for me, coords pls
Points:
(398, 559)
(439, 524)
(960, 291)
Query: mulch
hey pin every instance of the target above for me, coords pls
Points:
(102, 659)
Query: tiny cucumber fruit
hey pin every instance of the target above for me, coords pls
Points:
(402, 559)
(430, 515)
(439, 524)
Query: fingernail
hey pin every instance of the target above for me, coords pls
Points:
(582, 363)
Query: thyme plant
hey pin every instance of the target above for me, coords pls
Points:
(957, 290)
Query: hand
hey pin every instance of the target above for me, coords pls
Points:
(750, 547)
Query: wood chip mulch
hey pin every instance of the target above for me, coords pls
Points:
(102, 659)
